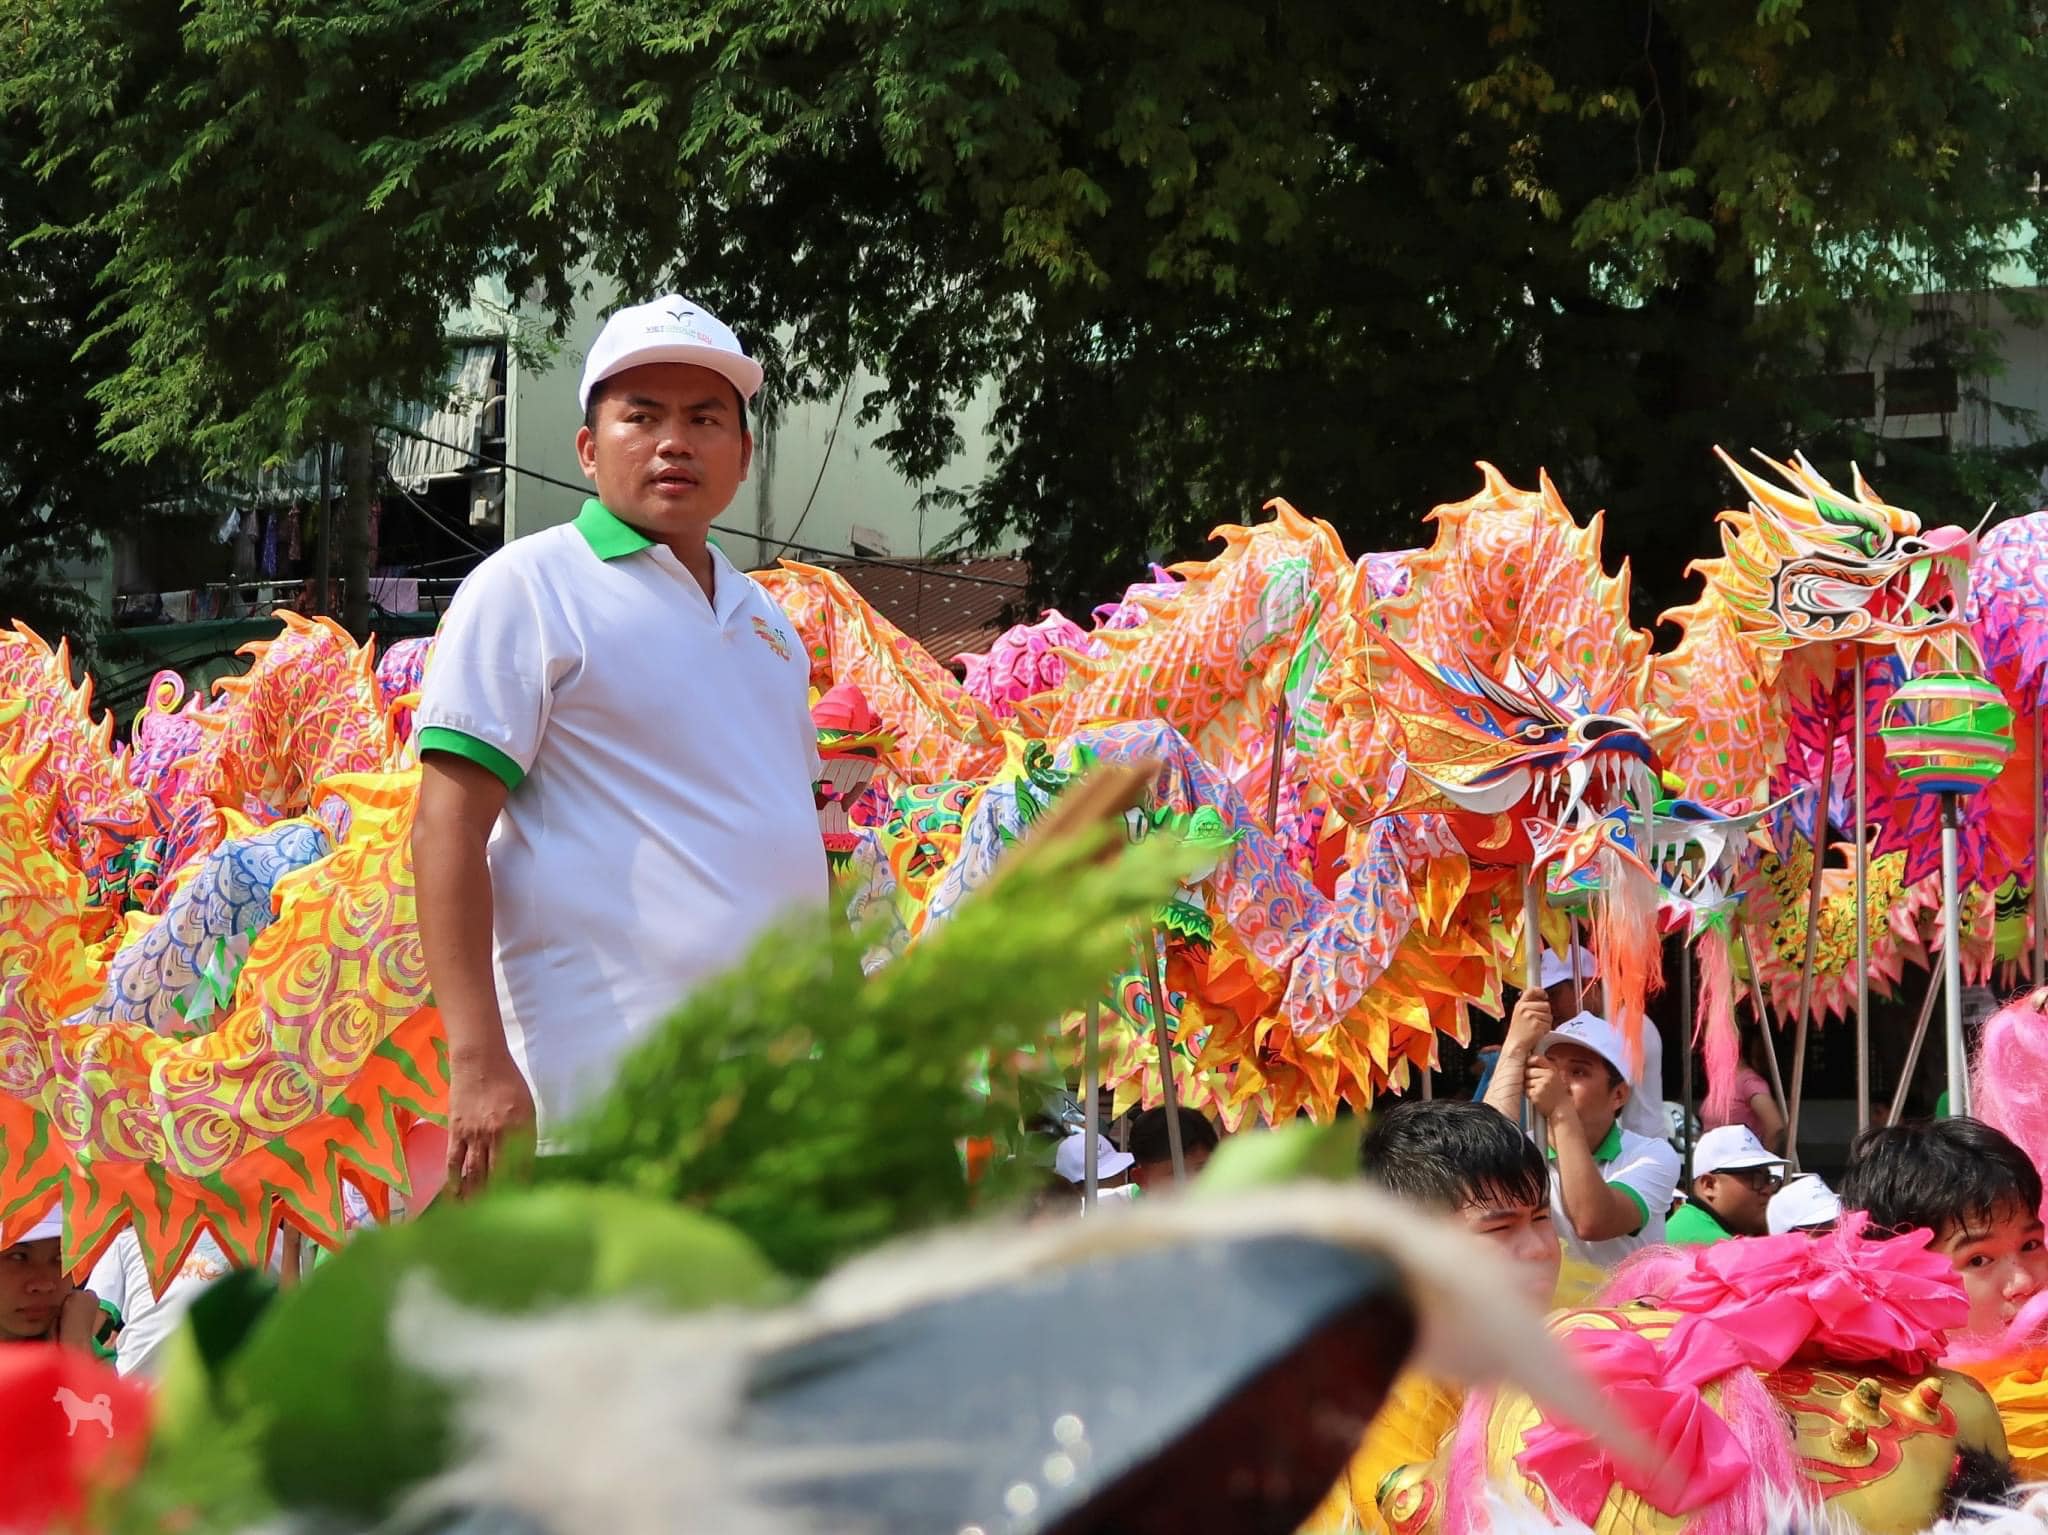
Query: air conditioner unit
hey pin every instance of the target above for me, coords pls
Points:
(487, 499)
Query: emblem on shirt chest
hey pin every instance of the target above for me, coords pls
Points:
(772, 637)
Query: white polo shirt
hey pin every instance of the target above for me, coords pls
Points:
(1647, 1170)
(660, 756)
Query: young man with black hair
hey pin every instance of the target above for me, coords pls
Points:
(1154, 1152)
(1465, 1161)
(1974, 1189)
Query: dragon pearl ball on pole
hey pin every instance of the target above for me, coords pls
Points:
(1949, 733)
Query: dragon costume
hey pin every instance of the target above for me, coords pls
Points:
(1766, 1371)
(222, 1045)
(1389, 748)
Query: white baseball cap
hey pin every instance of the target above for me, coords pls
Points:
(1557, 968)
(1591, 1032)
(51, 1225)
(671, 329)
(1732, 1149)
(1804, 1201)
(1070, 1161)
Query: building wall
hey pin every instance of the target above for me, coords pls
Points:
(1981, 418)
(818, 478)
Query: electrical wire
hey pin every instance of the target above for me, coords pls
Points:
(825, 459)
(840, 556)
(421, 507)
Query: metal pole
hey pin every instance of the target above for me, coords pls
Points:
(1571, 937)
(1952, 964)
(1913, 1050)
(1169, 1098)
(1091, 1107)
(1685, 1035)
(1862, 919)
(1820, 851)
(1279, 757)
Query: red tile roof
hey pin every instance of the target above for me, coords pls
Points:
(930, 602)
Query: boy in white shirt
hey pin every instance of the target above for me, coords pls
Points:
(1613, 1187)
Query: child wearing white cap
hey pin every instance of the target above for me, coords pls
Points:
(1612, 1185)
(1805, 1204)
(38, 1301)
(1734, 1176)
(1572, 982)
(1071, 1160)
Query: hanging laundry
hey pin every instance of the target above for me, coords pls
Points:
(269, 563)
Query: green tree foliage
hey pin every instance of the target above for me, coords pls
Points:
(1212, 252)
(293, 196)
(59, 494)
(1205, 253)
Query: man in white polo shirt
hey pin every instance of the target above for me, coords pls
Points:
(617, 750)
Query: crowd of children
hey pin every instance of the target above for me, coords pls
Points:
(1551, 1168)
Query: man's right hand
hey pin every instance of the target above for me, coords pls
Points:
(1529, 1022)
(1548, 1094)
(487, 1100)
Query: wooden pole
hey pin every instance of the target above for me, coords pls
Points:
(1532, 980)
(1091, 1107)
(1862, 917)
(1169, 1096)
(1913, 1049)
(1760, 1000)
(1685, 1035)
(1280, 723)
(1804, 1020)
(2040, 873)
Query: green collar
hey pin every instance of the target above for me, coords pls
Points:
(1608, 1149)
(609, 538)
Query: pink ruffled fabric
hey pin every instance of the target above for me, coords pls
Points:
(1757, 1303)
(1024, 660)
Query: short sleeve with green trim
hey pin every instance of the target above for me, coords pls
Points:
(487, 689)
(1642, 1167)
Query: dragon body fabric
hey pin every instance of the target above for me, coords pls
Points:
(1411, 735)
(222, 1045)
(215, 1005)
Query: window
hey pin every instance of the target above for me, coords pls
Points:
(1920, 391)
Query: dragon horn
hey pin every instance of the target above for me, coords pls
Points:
(1763, 495)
